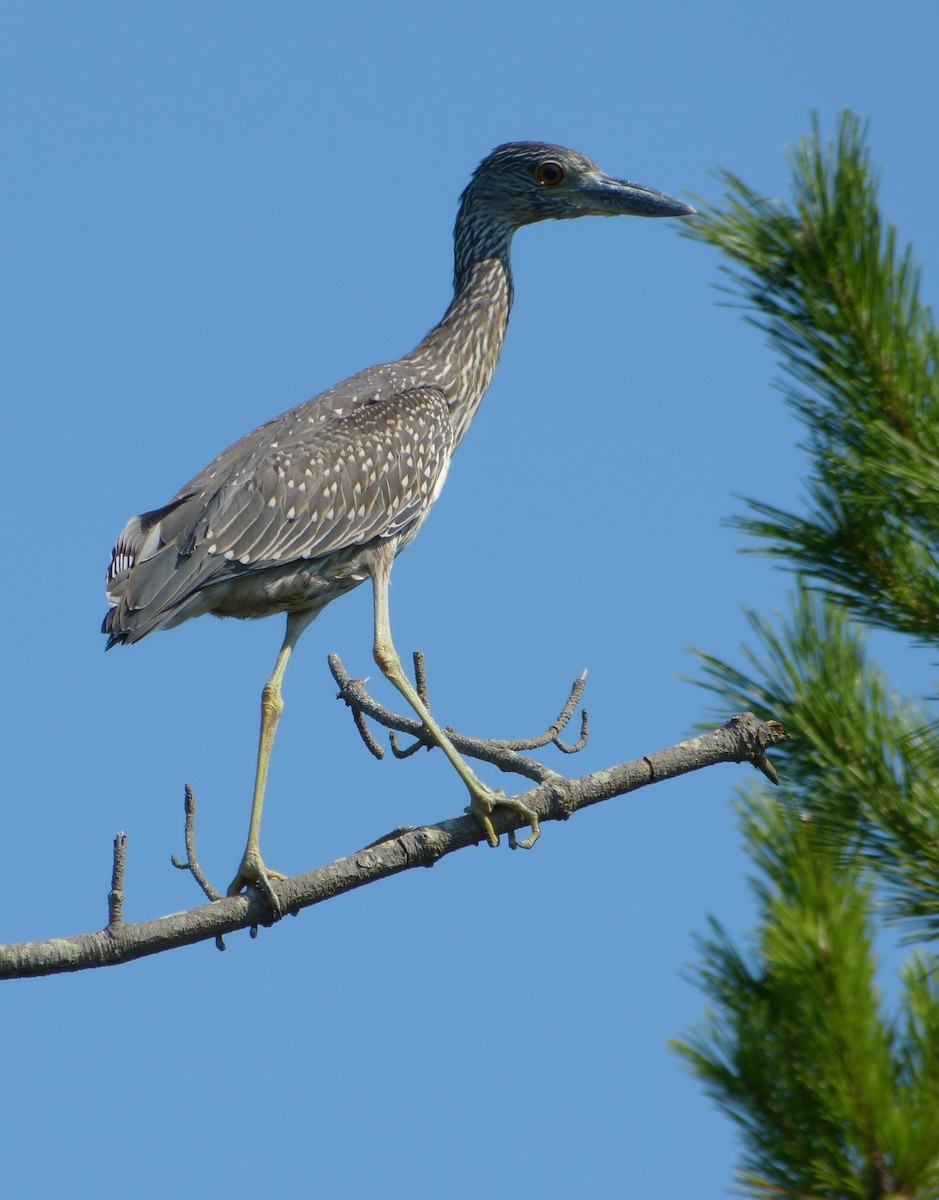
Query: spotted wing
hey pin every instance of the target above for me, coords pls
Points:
(311, 492)
(370, 475)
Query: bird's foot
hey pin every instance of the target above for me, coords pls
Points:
(484, 801)
(254, 874)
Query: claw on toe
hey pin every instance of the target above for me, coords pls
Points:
(481, 807)
(488, 829)
(526, 843)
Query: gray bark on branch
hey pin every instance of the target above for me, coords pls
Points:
(742, 739)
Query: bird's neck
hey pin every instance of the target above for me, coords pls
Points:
(463, 349)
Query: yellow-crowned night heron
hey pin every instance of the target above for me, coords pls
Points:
(319, 499)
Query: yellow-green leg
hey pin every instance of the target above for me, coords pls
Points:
(482, 799)
(252, 870)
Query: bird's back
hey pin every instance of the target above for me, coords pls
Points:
(282, 520)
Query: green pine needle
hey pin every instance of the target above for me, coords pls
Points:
(824, 278)
(835, 1096)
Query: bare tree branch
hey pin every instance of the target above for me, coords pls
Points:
(116, 894)
(420, 682)
(192, 861)
(742, 739)
(502, 754)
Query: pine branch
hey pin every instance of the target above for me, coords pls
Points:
(825, 280)
(832, 1097)
(862, 761)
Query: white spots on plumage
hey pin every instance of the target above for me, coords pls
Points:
(385, 446)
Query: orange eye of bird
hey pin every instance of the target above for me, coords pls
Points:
(550, 174)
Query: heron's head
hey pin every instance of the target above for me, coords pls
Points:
(523, 182)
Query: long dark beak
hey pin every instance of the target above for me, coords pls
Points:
(607, 196)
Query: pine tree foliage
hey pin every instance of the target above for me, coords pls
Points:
(834, 1098)
(835, 1091)
(862, 759)
(826, 280)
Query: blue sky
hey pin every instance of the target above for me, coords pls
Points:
(211, 212)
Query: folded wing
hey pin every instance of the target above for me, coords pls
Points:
(290, 495)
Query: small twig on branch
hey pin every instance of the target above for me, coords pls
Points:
(192, 861)
(762, 763)
(116, 894)
(420, 676)
(499, 753)
(420, 682)
(400, 751)
(552, 735)
(364, 732)
(742, 739)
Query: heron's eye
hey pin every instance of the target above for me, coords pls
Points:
(550, 173)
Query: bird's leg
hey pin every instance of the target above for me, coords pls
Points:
(482, 799)
(252, 870)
